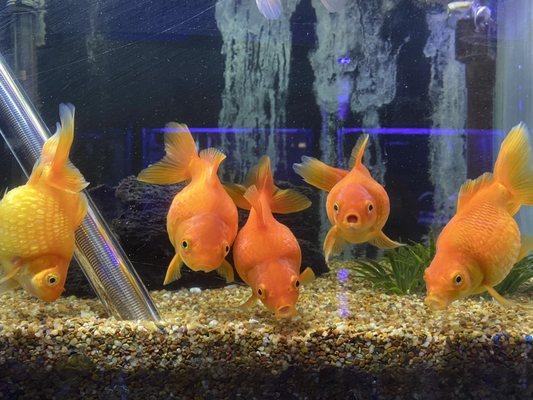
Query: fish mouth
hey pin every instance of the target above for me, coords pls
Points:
(352, 219)
(285, 312)
(435, 303)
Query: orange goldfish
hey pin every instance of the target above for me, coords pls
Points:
(38, 219)
(357, 206)
(266, 253)
(481, 243)
(202, 221)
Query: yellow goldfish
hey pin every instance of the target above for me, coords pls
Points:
(38, 219)
(481, 243)
(357, 206)
(202, 221)
(266, 253)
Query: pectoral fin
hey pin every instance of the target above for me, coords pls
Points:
(226, 271)
(333, 243)
(499, 298)
(6, 280)
(505, 302)
(12, 267)
(6, 286)
(383, 242)
(174, 270)
(249, 303)
(307, 276)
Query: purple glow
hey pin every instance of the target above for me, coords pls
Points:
(238, 130)
(343, 275)
(344, 60)
(344, 311)
(420, 131)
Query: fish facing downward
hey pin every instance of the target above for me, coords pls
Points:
(267, 255)
(38, 219)
(481, 243)
(357, 206)
(271, 9)
(202, 220)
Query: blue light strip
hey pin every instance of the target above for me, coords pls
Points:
(420, 131)
(239, 130)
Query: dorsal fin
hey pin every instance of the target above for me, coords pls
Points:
(471, 187)
(253, 197)
(358, 151)
(260, 175)
(214, 157)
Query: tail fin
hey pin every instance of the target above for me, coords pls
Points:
(180, 150)
(282, 201)
(319, 174)
(54, 166)
(514, 166)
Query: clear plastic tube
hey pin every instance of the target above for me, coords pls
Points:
(97, 252)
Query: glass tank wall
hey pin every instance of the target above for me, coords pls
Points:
(435, 84)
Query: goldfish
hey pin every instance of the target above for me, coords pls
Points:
(481, 243)
(38, 219)
(271, 9)
(202, 220)
(267, 255)
(357, 206)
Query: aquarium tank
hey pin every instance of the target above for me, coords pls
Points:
(266, 199)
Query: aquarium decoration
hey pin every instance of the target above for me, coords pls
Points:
(447, 91)
(257, 58)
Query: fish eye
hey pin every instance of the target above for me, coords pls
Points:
(52, 280)
(370, 207)
(261, 292)
(458, 280)
(297, 284)
(184, 244)
(336, 207)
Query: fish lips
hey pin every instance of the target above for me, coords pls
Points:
(436, 303)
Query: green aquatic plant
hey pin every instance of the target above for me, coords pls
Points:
(401, 270)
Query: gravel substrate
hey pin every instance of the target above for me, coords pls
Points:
(349, 342)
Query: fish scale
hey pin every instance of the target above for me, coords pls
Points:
(41, 225)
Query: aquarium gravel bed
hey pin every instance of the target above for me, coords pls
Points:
(348, 342)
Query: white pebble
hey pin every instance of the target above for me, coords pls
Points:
(253, 321)
(213, 323)
(195, 290)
